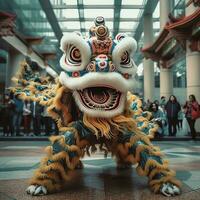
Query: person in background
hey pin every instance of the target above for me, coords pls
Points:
(7, 111)
(158, 117)
(36, 111)
(172, 108)
(27, 117)
(190, 106)
(157, 103)
(180, 118)
(162, 101)
(185, 126)
(55, 128)
(146, 105)
(19, 104)
(47, 122)
(165, 125)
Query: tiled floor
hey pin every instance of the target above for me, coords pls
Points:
(99, 180)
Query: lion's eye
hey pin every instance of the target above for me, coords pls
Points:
(74, 56)
(125, 59)
(76, 52)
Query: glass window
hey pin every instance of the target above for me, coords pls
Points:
(93, 13)
(127, 25)
(129, 13)
(70, 25)
(156, 25)
(179, 72)
(156, 12)
(70, 2)
(46, 33)
(67, 13)
(97, 2)
(132, 2)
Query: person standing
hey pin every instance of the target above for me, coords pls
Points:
(172, 109)
(162, 101)
(146, 105)
(158, 117)
(19, 104)
(27, 117)
(180, 118)
(36, 110)
(8, 108)
(47, 122)
(190, 107)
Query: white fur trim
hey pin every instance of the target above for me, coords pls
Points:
(50, 71)
(112, 79)
(77, 41)
(100, 113)
(126, 44)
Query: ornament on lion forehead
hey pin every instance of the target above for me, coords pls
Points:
(99, 70)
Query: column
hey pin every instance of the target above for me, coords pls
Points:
(192, 64)
(165, 8)
(166, 75)
(147, 63)
(193, 72)
(13, 65)
(166, 82)
(193, 67)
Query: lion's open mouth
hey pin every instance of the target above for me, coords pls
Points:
(100, 98)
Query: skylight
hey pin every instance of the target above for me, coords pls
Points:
(129, 13)
(127, 25)
(93, 13)
(132, 2)
(70, 25)
(69, 13)
(98, 2)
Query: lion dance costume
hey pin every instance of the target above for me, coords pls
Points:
(92, 105)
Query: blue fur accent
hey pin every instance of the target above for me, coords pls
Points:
(57, 148)
(144, 114)
(139, 124)
(134, 106)
(69, 138)
(125, 137)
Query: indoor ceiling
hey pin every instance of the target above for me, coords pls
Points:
(52, 18)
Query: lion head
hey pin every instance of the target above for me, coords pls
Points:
(98, 70)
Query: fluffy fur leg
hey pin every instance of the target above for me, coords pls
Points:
(62, 156)
(149, 159)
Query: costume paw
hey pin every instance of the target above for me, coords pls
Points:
(168, 189)
(36, 190)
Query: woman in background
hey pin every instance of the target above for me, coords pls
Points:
(7, 112)
(180, 118)
(158, 117)
(191, 106)
(172, 108)
(27, 117)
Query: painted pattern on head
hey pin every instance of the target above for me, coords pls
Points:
(99, 70)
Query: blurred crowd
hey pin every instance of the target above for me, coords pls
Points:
(171, 116)
(25, 118)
